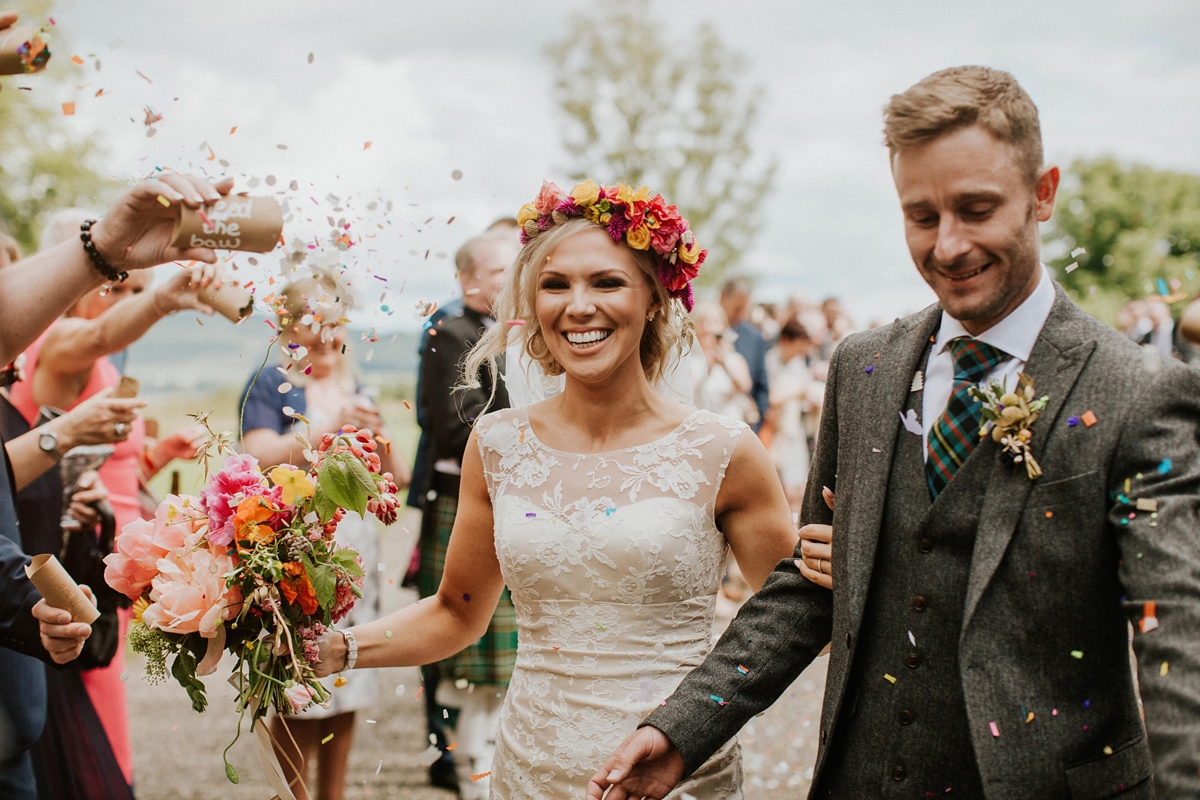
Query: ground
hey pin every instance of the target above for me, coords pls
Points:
(177, 752)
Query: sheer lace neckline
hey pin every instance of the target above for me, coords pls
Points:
(536, 440)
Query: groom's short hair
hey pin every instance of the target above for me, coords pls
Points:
(962, 96)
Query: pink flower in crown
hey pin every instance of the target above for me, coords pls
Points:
(569, 207)
(548, 198)
(617, 227)
(666, 228)
(240, 478)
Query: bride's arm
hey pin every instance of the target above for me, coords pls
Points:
(753, 513)
(439, 626)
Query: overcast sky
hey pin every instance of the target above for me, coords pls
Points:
(439, 87)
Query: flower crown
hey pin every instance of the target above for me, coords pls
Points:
(631, 217)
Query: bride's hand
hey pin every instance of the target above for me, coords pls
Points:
(816, 549)
(332, 645)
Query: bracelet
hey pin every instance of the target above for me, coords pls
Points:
(102, 266)
(351, 650)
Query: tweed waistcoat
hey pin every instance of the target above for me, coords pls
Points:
(908, 730)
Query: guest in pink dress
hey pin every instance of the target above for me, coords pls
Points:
(67, 365)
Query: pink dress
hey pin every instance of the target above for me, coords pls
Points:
(120, 476)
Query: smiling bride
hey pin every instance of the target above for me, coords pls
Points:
(606, 509)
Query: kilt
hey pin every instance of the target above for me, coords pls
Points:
(490, 660)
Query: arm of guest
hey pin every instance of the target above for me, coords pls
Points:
(135, 233)
(439, 626)
(775, 635)
(75, 343)
(1161, 565)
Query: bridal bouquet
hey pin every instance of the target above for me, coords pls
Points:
(251, 567)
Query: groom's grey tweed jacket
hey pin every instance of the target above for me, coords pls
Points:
(1033, 644)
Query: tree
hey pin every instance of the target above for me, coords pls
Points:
(1137, 224)
(641, 110)
(42, 164)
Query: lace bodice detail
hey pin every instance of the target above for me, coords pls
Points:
(613, 561)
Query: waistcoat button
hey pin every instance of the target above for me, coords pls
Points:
(925, 546)
(913, 660)
(905, 717)
(918, 603)
(899, 773)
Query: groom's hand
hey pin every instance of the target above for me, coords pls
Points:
(646, 765)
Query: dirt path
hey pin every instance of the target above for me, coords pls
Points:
(177, 752)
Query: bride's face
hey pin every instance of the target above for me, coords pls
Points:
(592, 301)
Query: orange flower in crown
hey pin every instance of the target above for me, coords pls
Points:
(631, 216)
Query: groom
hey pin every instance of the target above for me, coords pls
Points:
(979, 618)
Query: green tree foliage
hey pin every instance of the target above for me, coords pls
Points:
(1138, 225)
(43, 165)
(641, 109)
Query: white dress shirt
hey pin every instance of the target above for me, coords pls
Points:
(1015, 335)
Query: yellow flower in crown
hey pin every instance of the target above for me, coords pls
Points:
(638, 238)
(627, 195)
(689, 250)
(527, 213)
(586, 193)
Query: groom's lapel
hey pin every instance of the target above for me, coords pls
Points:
(877, 424)
(1057, 359)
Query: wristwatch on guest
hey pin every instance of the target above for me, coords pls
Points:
(48, 442)
(351, 650)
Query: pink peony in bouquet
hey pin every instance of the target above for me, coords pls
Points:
(252, 568)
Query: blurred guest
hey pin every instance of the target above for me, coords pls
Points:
(763, 317)
(735, 301)
(328, 396)
(474, 680)
(66, 366)
(728, 383)
(794, 396)
(837, 327)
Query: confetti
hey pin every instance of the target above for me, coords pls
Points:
(456, 175)
(68, 109)
(1029, 718)
(339, 682)
(77, 60)
(284, 387)
(1162, 671)
(911, 423)
(1165, 466)
(143, 77)
(1088, 418)
(1072, 421)
(1146, 504)
(889, 678)
(1078, 251)
(165, 202)
(466, 598)
(310, 58)
(918, 381)
(327, 739)
(380, 760)
(515, 323)
(1076, 654)
(366, 145)
(1073, 266)
(480, 776)
(1049, 514)
(1108, 751)
(388, 634)
(995, 729)
(869, 369)
(715, 699)
(743, 670)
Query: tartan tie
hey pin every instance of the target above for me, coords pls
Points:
(955, 433)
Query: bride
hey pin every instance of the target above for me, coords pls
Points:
(606, 509)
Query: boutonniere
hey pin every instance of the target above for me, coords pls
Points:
(1008, 418)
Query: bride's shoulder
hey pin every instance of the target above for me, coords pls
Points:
(702, 418)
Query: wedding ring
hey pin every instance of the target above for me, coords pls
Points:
(120, 428)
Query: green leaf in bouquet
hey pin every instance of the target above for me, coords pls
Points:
(341, 485)
(325, 585)
(323, 505)
(184, 671)
(348, 560)
(362, 475)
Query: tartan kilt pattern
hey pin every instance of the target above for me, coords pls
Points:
(490, 660)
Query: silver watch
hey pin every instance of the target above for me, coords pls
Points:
(351, 650)
(48, 442)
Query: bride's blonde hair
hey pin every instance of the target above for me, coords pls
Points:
(664, 338)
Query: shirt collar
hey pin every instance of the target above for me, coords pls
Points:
(1015, 334)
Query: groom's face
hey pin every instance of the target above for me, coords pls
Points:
(971, 219)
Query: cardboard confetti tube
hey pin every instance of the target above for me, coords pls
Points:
(60, 589)
(232, 302)
(237, 222)
(126, 387)
(21, 51)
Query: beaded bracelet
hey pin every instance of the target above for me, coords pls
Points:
(104, 268)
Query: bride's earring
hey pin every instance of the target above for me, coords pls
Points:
(650, 316)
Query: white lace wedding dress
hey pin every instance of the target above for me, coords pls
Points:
(614, 561)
